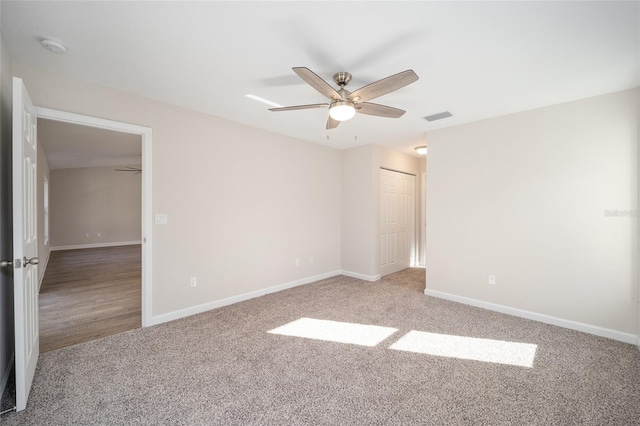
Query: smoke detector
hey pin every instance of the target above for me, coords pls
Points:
(53, 45)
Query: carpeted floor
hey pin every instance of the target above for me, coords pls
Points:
(223, 367)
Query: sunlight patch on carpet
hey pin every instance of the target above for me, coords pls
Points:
(471, 348)
(335, 331)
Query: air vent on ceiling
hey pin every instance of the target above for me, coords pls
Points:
(438, 116)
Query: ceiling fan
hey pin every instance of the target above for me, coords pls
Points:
(135, 170)
(345, 104)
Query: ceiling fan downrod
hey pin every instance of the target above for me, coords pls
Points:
(342, 79)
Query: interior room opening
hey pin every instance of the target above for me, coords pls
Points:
(90, 193)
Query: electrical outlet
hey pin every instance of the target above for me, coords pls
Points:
(86, 235)
(311, 259)
(297, 261)
(193, 282)
(492, 280)
(99, 234)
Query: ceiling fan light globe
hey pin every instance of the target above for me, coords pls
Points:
(342, 111)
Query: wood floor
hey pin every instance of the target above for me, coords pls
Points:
(90, 293)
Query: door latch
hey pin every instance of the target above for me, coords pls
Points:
(32, 261)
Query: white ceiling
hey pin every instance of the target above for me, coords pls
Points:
(69, 146)
(475, 59)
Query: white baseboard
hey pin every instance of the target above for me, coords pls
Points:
(96, 245)
(547, 319)
(182, 313)
(371, 278)
(5, 375)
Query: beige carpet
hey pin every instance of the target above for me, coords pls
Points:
(244, 365)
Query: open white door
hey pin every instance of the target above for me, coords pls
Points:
(25, 243)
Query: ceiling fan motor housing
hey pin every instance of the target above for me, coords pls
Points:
(342, 78)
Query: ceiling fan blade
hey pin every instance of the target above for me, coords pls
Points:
(292, 108)
(384, 86)
(129, 169)
(331, 123)
(317, 82)
(379, 110)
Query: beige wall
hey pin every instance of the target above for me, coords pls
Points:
(44, 247)
(361, 201)
(242, 203)
(358, 216)
(524, 196)
(95, 200)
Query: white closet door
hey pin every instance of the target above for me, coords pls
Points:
(397, 221)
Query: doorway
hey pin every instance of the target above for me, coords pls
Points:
(90, 233)
(397, 221)
(143, 241)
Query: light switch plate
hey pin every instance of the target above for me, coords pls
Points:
(161, 218)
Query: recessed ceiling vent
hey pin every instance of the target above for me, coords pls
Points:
(438, 116)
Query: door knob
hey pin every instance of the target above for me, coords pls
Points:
(5, 263)
(32, 261)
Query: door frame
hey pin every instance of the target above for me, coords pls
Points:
(145, 134)
(423, 225)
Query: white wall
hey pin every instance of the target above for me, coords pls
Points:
(95, 200)
(524, 196)
(242, 203)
